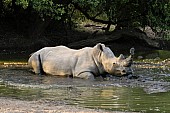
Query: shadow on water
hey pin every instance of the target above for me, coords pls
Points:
(148, 93)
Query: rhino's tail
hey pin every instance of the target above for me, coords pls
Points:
(40, 65)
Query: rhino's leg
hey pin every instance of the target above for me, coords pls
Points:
(37, 65)
(86, 75)
(41, 71)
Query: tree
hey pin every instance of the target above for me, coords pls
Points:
(1, 6)
(122, 13)
(127, 13)
(32, 16)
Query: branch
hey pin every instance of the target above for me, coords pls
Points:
(92, 18)
(103, 21)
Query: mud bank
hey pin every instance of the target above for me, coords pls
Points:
(18, 106)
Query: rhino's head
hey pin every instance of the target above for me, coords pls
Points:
(120, 66)
(114, 65)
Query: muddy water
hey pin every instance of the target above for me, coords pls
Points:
(148, 91)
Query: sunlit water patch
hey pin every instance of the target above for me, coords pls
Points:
(123, 99)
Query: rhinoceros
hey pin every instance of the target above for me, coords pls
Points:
(86, 63)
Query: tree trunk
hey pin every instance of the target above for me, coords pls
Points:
(1, 7)
(16, 14)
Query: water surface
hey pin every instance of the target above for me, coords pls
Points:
(149, 93)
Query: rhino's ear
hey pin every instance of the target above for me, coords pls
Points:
(99, 46)
(121, 57)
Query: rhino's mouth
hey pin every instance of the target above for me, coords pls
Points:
(128, 71)
(125, 72)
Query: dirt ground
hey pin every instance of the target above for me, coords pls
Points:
(19, 106)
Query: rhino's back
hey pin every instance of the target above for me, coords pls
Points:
(61, 60)
(57, 50)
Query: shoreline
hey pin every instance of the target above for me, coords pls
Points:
(8, 105)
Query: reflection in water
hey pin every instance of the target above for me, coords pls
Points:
(116, 94)
(107, 97)
(124, 99)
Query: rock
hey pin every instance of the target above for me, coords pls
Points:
(149, 32)
(131, 76)
(157, 58)
(140, 57)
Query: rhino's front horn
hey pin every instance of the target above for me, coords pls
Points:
(128, 61)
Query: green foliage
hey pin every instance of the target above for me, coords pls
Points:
(159, 14)
(163, 54)
(123, 13)
(7, 4)
(129, 13)
(42, 7)
(48, 8)
(89, 6)
(23, 3)
(87, 3)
